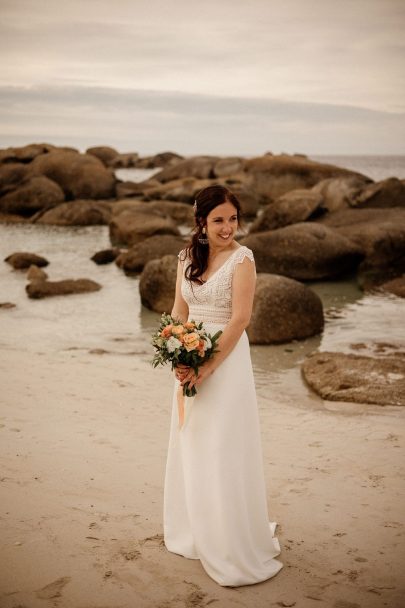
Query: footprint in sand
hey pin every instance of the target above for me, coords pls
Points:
(156, 539)
(345, 604)
(376, 480)
(122, 384)
(53, 589)
(391, 437)
(352, 575)
(130, 555)
(193, 599)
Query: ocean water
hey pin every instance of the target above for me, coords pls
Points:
(376, 167)
(114, 320)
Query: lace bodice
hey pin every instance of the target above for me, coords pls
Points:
(212, 300)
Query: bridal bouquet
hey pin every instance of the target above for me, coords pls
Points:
(183, 343)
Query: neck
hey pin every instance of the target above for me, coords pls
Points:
(214, 251)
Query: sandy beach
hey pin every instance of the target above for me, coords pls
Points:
(84, 439)
(118, 118)
(84, 422)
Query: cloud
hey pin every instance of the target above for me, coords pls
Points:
(152, 121)
(350, 53)
(226, 77)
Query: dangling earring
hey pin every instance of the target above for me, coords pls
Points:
(203, 240)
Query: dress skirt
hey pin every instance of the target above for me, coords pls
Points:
(215, 506)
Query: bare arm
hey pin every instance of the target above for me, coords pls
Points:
(243, 291)
(180, 306)
(180, 311)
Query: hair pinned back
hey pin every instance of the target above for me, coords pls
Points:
(205, 201)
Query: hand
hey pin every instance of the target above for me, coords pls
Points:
(203, 372)
(180, 371)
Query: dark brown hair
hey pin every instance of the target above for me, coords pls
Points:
(205, 201)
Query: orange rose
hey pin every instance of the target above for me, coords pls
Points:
(177, 330)
(189, 325)
(167, 331)
(191, 341)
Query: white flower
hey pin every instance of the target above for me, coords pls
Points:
(172, 344)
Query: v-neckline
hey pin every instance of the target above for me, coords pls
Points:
(222, 265)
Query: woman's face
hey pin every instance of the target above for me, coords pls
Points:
(222, 224)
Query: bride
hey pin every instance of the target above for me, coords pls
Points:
(215, 506)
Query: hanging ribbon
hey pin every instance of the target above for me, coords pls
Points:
(183, 407)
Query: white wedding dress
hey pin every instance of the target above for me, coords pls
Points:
(215, 506)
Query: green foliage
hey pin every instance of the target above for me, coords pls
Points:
(169, 349)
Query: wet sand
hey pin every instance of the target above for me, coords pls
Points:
(83, 447)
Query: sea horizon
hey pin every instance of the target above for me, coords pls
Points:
(375, 166)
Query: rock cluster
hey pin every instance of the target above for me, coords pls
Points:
(155, 247)
(41, 288)
(135, 222)
(157, 282)
(284, 310)
(304, 251)
(309, 221)
(21, 260)
(356, 378)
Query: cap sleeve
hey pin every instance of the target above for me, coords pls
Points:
(242, 253)
(182, 257)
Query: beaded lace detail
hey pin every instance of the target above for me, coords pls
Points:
(212, 300)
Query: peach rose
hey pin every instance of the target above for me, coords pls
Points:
(177, 330)
(189, 325)
(191, 341)
(167, 331)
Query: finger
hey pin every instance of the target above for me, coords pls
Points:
(196, 380)
(188, 378)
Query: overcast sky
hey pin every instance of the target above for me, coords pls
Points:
(223, 76)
